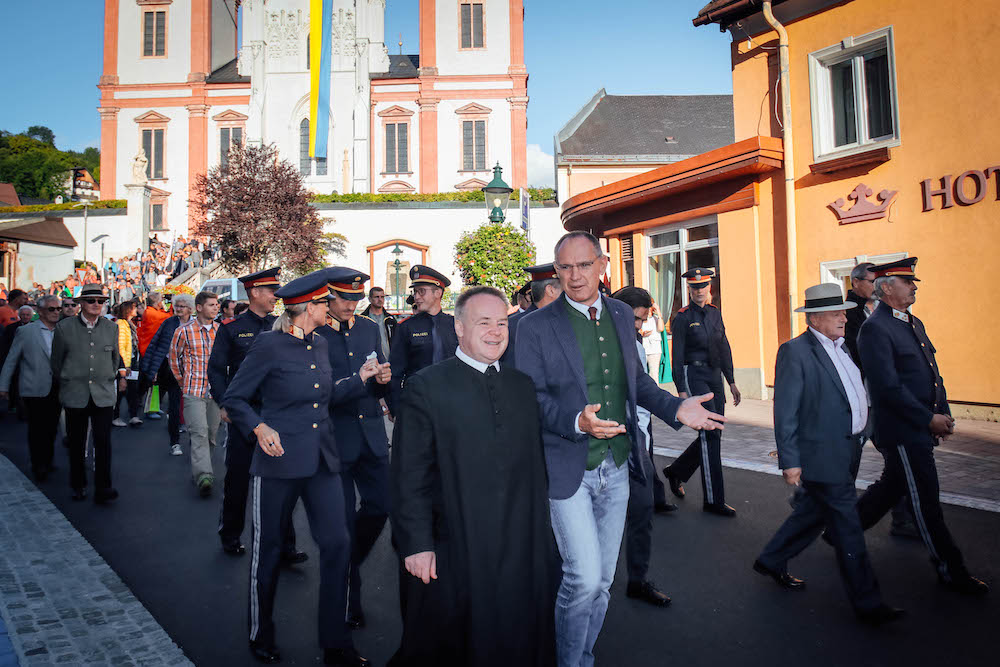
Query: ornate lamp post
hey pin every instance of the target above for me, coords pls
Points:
(397, 251)
(497, 196)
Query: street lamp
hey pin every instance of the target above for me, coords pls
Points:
(101, 237)
(497, 196)
(397, 251)
(86, 208)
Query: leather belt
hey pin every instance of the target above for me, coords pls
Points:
(699, 364)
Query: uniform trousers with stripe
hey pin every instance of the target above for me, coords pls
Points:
(705, 451)
(236, 488)
(911, 469)
(273, 501)
(370, 474)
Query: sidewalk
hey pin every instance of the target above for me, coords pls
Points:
(968, 462)
(60, 602)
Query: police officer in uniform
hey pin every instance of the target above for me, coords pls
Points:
(232, 342)
(288, 371)
(359, 424)
(424, 339)
(701, 356)
(544, 289)
(911, 413)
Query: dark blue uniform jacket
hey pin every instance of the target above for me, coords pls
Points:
(358, 423)
(413, 349)
(294, 382)
(903, 379)
(698, 334)
(232, 342)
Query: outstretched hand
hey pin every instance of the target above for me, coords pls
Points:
(601, 429)
(691, 413)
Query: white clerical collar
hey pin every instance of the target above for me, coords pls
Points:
(585, 307)
(478, 365)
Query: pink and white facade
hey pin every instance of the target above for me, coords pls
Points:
(179, 83)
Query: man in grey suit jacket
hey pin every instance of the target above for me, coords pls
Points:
(29, 356)
(820, 425)
(580, 352)
(86, 363)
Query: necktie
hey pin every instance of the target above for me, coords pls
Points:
(593, 313)
(491, 371)
(437, 351)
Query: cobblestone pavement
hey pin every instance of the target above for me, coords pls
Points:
(968, 463)
(61, 603)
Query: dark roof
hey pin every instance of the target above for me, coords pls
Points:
(35, 201)
(9, 194)
(39, 229)
(400, 67)
(661, 128)
(727, 12)
(228, 73)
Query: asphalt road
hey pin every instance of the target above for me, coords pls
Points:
(160, 538)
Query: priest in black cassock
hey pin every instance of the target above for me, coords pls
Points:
(470, 511)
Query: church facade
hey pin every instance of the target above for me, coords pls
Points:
(184, 80)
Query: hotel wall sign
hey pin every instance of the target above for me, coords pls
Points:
(863, 209)
(955, 191)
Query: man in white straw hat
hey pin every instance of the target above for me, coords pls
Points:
(820, 425)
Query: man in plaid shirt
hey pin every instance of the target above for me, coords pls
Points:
(190, 349)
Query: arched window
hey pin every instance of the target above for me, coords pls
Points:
(305, 164)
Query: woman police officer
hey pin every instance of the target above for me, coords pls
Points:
(288, 371)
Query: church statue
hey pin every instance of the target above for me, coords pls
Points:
(139, 167)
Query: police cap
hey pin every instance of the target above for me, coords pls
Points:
(311, 287)
(347, 283)
(698, 277)
(542, 271)
(425, 275)
(904, 268)
(265, 278)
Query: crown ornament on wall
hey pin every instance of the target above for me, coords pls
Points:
(863, 209)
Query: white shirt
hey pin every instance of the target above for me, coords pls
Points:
(47, 335)
(585, 307)
(651, 343)
(642, 413)
(850, 377)
(478, 365)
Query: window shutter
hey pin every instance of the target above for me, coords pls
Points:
(626, 248)
(224, 146)
(477, 26)
(390, 148)
(466, 25)
(480, 145)
(402, 148)
(467, 146)
(305, 168)
(157, 154)
(147, 147)
(161, 33)
(147, 33)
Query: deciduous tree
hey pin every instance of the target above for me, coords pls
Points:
(495, 254)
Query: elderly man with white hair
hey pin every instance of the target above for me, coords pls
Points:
(156, 366)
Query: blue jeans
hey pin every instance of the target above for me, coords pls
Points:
(588, 527)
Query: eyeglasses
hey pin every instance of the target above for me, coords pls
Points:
(582, 266)
(93, 300)
(69, 305)
(51, 309)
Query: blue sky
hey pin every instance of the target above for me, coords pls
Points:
(572, 50)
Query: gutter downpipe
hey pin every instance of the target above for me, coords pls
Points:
(789, 165)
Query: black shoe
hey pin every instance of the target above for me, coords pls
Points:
(966, 584)
(904, 529)
(356, 620)
(784, 579)
(234, 548)
(343, 657)
(675, 485)
(266, 654)
(880, 615)
(647, 592)
(721, 510)
(105, 496)
(79, 494)
(294, 557)
(665, 508)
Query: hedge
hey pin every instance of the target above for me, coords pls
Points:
(537, 195)
(68, 206)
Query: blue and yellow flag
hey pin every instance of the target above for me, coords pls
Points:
(320, 25)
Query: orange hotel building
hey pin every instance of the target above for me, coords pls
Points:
(896, 153)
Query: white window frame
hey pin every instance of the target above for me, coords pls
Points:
(683, 245)
(836, 270)
(821, 102)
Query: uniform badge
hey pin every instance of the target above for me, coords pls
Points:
(903, 317)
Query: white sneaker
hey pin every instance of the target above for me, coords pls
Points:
(175, 450)
(118, 422)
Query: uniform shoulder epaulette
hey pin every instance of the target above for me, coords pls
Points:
(365, 317)
(712, 305)
(682, 310)
(228, 320)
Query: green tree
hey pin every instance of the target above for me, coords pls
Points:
(36, 168)
(495, 254)
(43, 134)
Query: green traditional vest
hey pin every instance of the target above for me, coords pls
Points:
(604, 368)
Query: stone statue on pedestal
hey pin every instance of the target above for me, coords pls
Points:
(139, 168)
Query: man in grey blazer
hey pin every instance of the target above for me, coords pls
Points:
(86, 363)
(580, 352)
(29, 356)
(820, 425)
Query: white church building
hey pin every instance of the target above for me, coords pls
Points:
(184, 79)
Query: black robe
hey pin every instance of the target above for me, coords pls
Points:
(468, 482)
